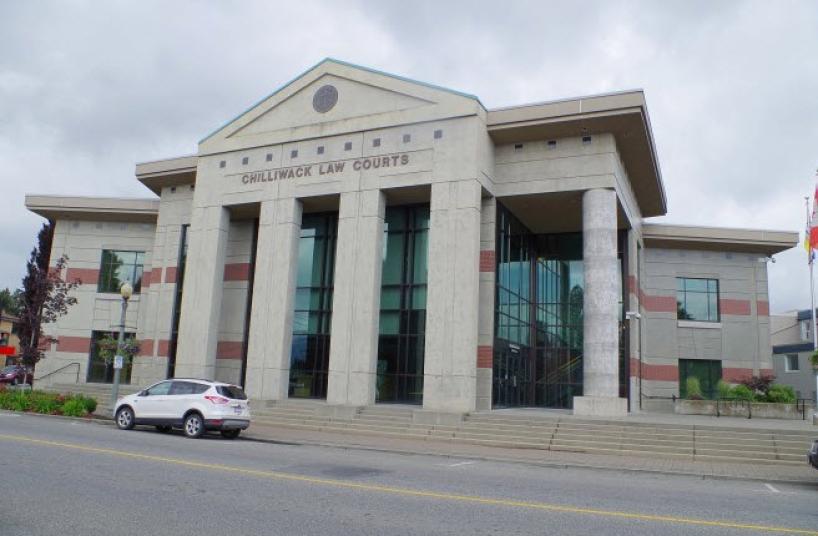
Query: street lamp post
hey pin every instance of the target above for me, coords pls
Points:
(126, 290)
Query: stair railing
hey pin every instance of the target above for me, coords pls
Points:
(75, 363)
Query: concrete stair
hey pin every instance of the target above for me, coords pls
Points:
(553, 432)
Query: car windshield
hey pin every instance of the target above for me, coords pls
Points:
(231, 391)
(11, 368)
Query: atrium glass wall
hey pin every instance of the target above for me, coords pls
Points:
(309, 357)
(403, 305)
(538, 318)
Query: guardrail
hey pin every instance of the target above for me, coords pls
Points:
(75, 363)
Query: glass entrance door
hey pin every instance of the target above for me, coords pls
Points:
(512, 376)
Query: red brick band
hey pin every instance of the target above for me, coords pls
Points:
(485, 356)
(88, 276)
(170, 274)
(734, 307)
(74, 344)
(238, 271)
(228, 350)
(487, 263)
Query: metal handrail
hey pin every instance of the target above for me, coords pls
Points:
(79, 367)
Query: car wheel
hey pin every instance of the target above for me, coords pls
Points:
(125, 418)
(165, 429)
(194, 425)
(230, 434)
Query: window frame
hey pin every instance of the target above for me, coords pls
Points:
(682, 298)
(787, 367)
(104, 279)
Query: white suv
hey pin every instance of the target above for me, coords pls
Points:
(195, 406)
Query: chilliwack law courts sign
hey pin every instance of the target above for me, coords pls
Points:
(326, 168)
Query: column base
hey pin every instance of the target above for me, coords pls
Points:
(600, 406)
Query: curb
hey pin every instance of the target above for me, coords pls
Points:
(91, 418)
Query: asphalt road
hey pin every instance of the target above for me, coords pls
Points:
(60, 477)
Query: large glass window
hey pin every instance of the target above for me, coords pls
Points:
(119, 267)
(176, 315)
(100, 371)
(707, 371)
(697, 299)
(403, 305)
(309, 357)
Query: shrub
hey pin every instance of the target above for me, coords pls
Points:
(74, 407)
(781, 394)
(759, 385)
(45, 405)
(90, 404)
(725, 390)
(694, 389)
(742, 392)
(19, 401)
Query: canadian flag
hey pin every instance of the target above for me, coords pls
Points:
(813, 221)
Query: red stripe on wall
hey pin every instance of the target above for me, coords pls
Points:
(485, 356)
(74, 344)
(735, 375)
(228, 350)
(88, 276)
(658, 304)
(763, 308)
(663, 373)
(146, 347)
(170, 274)
(163, 348)
(238, 271)
(633, 286)
(487, 261)
(734, 307)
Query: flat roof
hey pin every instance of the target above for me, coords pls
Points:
(623, 114)
(129, 209)
(768, 242)
(174, 171)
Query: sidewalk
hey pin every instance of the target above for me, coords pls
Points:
(652, 464)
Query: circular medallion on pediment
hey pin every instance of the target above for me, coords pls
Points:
(324, 99)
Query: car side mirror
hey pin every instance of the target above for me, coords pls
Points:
(143, 392)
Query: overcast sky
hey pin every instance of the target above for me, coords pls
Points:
(87, 89)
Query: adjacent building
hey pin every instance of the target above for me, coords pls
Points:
(361, 238)
(792, 341)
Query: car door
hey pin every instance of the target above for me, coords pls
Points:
(151, 406)
(181, 394)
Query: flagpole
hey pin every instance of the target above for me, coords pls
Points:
(812, 303)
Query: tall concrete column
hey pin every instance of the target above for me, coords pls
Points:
(271, 320)
(202, 296)
(353, 353)
(450, 361)
(600, 308)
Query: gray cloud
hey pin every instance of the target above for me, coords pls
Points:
(88, 88)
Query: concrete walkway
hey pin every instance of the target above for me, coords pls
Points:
(741, 471)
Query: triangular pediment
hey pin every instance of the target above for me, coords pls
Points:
(335, 98)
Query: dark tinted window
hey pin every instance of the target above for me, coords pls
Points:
(231, 391)
(182, 388)
(199, 388)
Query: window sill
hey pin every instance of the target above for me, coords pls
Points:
(697, 324)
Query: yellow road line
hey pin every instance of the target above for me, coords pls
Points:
(415, 492)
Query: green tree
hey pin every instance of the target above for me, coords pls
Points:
(10, 301)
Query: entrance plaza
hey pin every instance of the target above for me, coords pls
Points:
(361, 238)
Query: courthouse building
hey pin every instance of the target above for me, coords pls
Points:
(364, 238)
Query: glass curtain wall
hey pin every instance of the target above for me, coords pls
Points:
(309, 357)
(538, 317)
(403, 305)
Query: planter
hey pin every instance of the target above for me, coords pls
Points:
(759, 410)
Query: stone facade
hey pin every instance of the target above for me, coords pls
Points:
(233, 213)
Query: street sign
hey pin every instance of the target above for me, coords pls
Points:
(118, 360)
